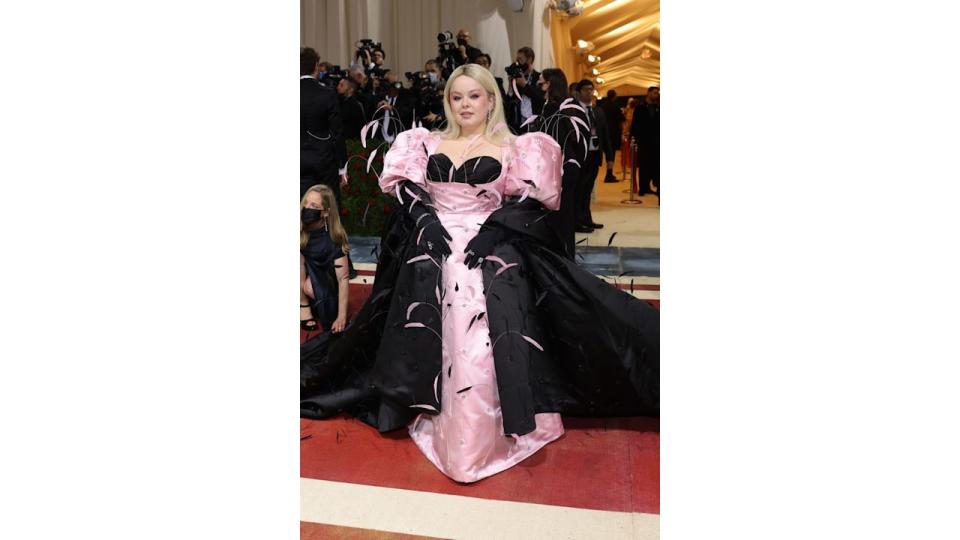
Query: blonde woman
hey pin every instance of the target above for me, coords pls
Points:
(478, 334)
(324, 281)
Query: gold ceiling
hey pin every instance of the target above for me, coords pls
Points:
(625, 34)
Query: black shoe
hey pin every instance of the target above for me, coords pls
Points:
(308, 324)
(584, 229)
(611, 179)
(597, 225)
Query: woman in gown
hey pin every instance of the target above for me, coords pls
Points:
(324, 283)
(478, 334)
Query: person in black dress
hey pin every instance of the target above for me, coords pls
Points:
(559, 124)
(324, 283)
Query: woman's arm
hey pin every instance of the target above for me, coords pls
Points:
(343, 294)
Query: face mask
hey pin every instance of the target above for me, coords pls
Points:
(310, 215)
(432, 76)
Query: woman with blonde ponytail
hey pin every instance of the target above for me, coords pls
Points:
(324, 281)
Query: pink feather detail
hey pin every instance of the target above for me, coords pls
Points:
(370, 159)
(427, 407)
(504, 268)
(435, 381)
(414, 325)
(532, 342)
(496, 259)
(571, 160)
(363, 134)
(419, 236)
(528, 120)
(411, 307)
(423, 257)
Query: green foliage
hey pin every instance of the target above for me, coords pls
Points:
(365, 209)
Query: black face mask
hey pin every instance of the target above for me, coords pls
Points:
(310, 216)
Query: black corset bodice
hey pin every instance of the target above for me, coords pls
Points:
(476, 170)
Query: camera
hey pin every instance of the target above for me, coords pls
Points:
(377, 72)
(516, 70)
(367, 46)
(333, 77)
(446, 41)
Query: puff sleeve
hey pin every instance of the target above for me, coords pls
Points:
(534, 169)
(405, 160)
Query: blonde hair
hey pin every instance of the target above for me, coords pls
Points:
(334, 227)
(485, 78)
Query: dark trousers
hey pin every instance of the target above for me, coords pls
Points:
(648, 168)
(564, 220)
(318, 168)
(588, 178)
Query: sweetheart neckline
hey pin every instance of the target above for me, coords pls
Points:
(456, 168)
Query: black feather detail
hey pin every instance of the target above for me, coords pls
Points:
(472, 320)
(540, 298)
(625, 273)
(464, 390)
(580, 241)
(610, 241)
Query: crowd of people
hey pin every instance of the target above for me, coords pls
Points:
(337, 103)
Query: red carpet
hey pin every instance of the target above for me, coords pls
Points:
(609, 464)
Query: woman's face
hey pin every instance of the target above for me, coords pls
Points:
(544, 85)
(469, 102)
(315, 201)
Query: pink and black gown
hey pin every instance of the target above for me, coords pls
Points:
(479, 364)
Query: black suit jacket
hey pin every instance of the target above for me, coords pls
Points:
(646, 125)
(321, 129)
(599, 120)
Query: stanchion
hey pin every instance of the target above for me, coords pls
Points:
(633, 175)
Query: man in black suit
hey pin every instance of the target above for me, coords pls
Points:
(599, 145)
(615, 120)
(530, 95)
(322, 150)
(646, 130)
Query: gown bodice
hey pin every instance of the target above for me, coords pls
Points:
(475, 186)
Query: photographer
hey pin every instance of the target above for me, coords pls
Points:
(527, 91)
(426, 89)
(369, 54)
(364, 91)
(468, 53)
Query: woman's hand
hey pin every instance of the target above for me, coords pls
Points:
(339, 324)
(482, 245)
